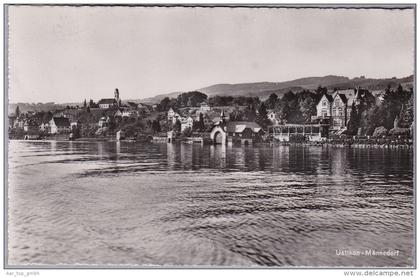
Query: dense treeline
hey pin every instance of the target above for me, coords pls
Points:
(187, 99)
(195, 98)
(395, 113)
(218, 101)
(294, 107)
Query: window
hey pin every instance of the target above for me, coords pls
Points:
(337, 102)
(324, 103)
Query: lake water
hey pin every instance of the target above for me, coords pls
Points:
(121, 203)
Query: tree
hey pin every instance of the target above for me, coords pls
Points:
(166, 104)
(380, 131)
(321, 90)
(17, 111)
(272, 100)
(237, 115)
(190, 99)
(308, 108)
(201, 122)
(282, 110)
(262, 118)
(177, 126)
(406, 115)
(156, 126)
(249, 113)
(353, 122)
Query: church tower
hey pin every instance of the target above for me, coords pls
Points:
(117, 96)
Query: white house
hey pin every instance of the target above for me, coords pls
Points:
(118, 113)
(204, 107)
(103, 121)
(128, 113)
(323, 108)
(44, 127)
(107, 103)
(186, 123)
(59, 125)
(272, 117)
(338, 107)
(73, 125)
(176, 117)
(171, 113)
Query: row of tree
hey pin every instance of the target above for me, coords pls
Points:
(195, 98)
(294, 107)
(395, 111)
(187, 99)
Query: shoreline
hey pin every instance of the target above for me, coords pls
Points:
(303, 144)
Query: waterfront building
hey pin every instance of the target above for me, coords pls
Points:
(29, 125)
(74, 125)
(272, 116)
(299, 132)
(103, 121)
(59, 125)
(186, 123)
(337, 107)
(171, 114)
(19, 122)
(44, 127)
(244, 132)
(323, 108)
(176, 117)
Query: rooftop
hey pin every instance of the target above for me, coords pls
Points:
(61, 121)
(107, 101)
(240, 126)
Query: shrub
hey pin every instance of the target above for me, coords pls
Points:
(380, 132)
(399, 131)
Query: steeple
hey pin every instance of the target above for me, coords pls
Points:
(117, 96)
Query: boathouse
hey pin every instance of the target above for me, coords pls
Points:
(299, 132)
(234, 132)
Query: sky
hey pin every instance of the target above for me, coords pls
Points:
(67, 54)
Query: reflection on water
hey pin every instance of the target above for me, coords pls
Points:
(141, 204)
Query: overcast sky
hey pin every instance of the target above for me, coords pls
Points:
(67, 54)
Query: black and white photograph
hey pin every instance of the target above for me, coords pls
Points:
(210, 136)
